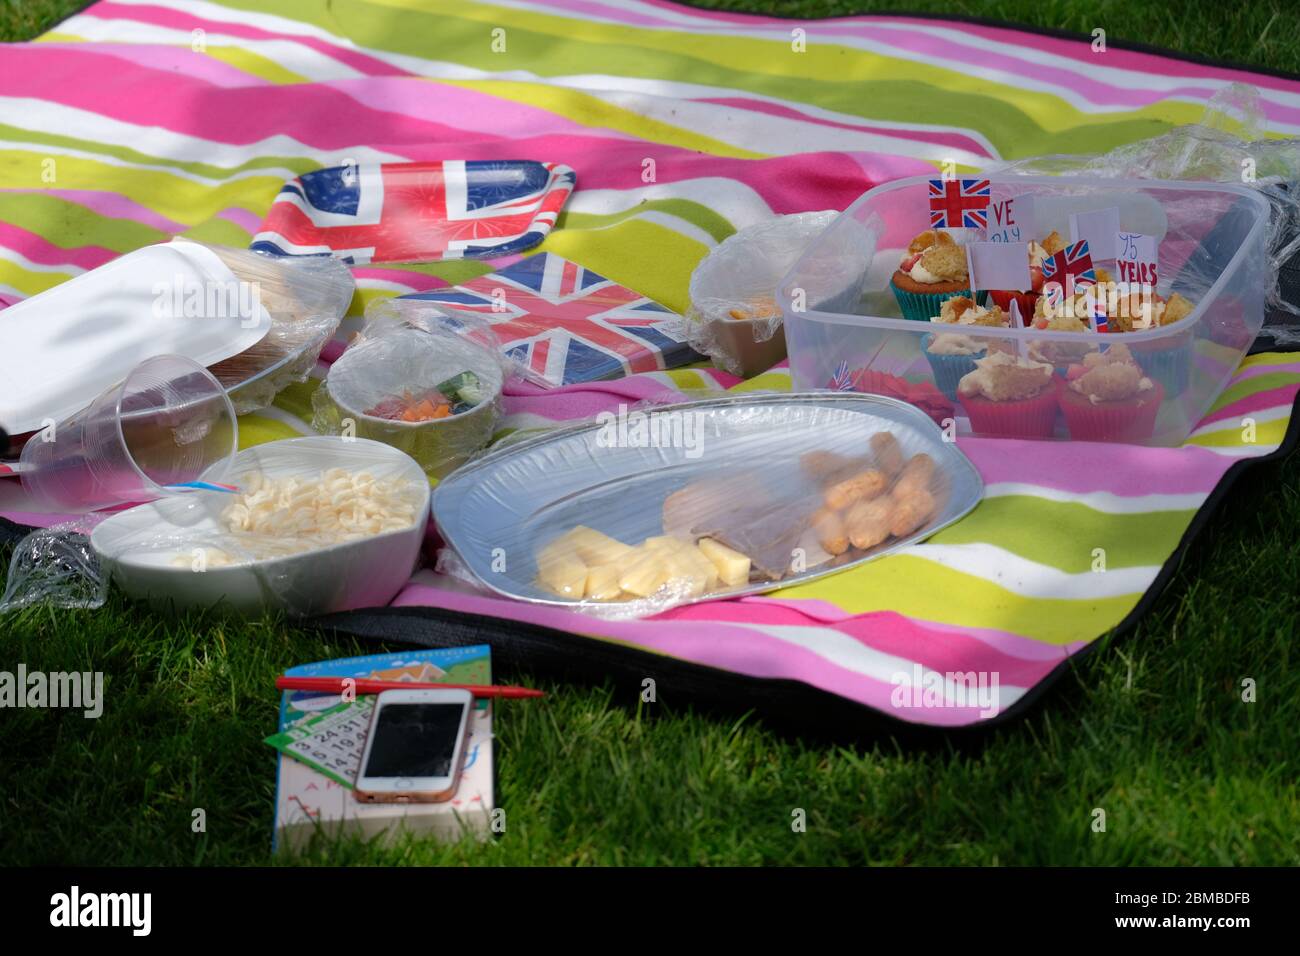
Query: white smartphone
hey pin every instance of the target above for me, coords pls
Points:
(415, 747)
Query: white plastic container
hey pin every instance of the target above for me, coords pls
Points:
(1211, 247)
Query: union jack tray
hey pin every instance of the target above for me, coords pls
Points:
(565, 324)
(416, 212)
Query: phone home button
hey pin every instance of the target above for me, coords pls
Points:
(403, 783)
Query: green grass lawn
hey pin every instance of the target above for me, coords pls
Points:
(1151, 728)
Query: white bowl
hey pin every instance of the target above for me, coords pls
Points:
(140, 547)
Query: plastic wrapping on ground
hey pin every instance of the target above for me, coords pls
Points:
(1227, 146)
(406, 349)
(733, 307)
(649, 506)
(306, 299)
(56, 566)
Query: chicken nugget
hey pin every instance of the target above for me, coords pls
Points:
(831, 533)
(865, 484)
(868, 522)
(888, 453)
(910, 511)
(916, 475)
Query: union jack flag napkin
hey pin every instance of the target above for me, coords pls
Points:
(564, 324)
(959, 203)
(416, 212)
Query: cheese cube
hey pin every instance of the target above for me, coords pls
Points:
(602, 582)
(561, 571)
(733, 567)
(645, 575)
(596, 548)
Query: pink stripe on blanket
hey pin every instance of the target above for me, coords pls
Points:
(90, 80)
(1269, 400)
(242, 218)
(1255, 371)
(179, 20)
(40, 251)
(414, 281)
(1094, 466)
(816, 611)
(175, 59)
(1020, 660)
(574, 402)
(34, 519)
(730, 647)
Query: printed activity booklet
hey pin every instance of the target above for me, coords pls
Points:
(321, 738)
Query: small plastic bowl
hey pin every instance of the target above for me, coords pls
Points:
(415, 361)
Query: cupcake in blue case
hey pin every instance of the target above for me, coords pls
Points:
(952, 354)
(932, 271)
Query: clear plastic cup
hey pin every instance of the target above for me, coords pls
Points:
(169, 422)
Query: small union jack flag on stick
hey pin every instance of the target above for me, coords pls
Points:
(1100, 318)
(1070, 268)
(959, 203)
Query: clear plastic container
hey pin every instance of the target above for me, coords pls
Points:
(168, 424)
(842, 320)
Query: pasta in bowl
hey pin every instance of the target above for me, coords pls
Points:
(315, 525)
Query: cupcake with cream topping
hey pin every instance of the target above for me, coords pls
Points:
(1010, 396)
(1109, 398)
(933, 269)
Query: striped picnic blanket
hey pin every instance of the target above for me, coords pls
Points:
(134, 121)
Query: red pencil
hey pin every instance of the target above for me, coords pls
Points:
(369, 685)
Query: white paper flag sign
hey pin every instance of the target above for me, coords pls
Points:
(999, 265)
(1101, 228)
(1136, 259)
(1011, 219)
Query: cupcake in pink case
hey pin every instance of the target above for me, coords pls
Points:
(1010, 396)
(1061, 353)
(1110, 398)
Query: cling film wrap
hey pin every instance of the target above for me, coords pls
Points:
(406, 349)
(1227, 146)
(306, 298)
(732, 291)
(56, 566)
(654, 506)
